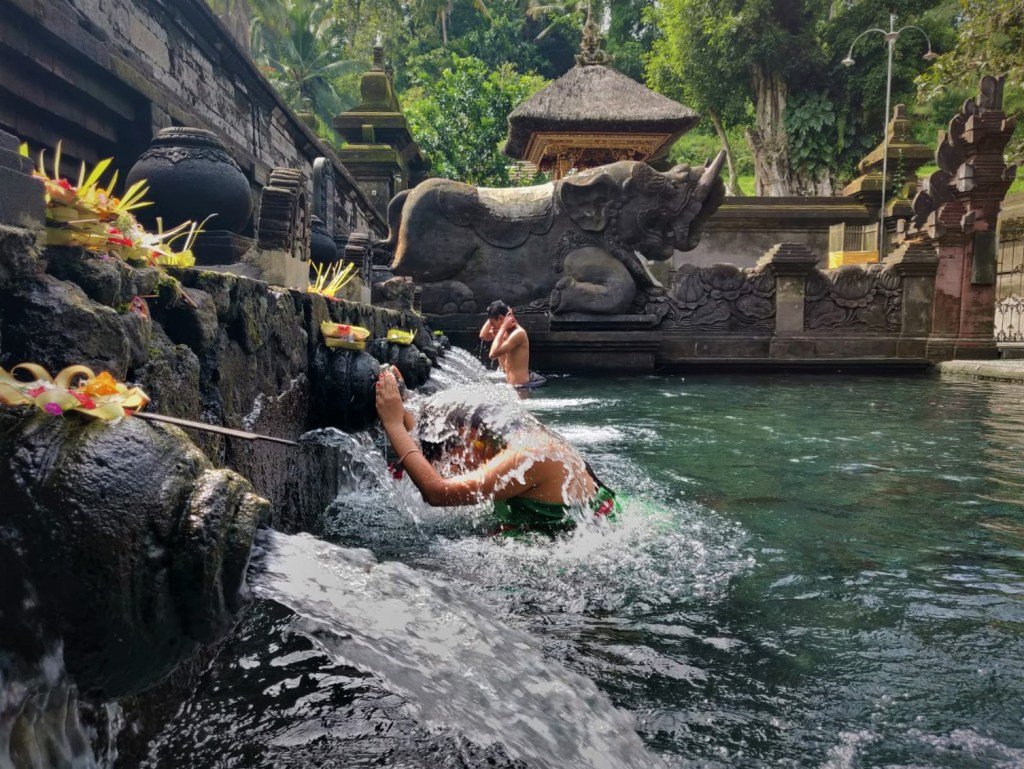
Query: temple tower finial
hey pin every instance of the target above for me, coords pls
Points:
(590, 47)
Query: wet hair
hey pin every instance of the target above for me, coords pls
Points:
(497, 309)
(445, 417)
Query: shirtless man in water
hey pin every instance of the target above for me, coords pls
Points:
(509, 343)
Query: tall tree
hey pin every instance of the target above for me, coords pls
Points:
(719, 48)
(696, 62)
(305, 55)
(810, 116)
(630, 35)
(989, 41)
(238, 15)
(570, 13)
(441, 10)
(460, 118)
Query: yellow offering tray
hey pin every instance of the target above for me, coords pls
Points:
(344, 336)
(397, 336)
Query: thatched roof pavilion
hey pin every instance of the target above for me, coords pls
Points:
(594, 115)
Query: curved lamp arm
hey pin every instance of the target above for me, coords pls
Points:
(848, 61)
(931, 55)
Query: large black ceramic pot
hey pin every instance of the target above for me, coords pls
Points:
(322, 248)
(190, 176)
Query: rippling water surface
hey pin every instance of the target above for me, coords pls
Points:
(811, 572)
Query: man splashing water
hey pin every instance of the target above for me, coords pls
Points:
(510, 346)
(474, 447)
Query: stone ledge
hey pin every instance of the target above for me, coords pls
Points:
(988, 370)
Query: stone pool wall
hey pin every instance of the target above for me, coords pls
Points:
(204, 346)
(785, 312)
(744, 228)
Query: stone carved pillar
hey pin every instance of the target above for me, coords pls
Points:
(957, 211)
(357, 251)
(916, 264)
(324, 193)
(791, 263)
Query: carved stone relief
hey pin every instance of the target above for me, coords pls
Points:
(856, 298)
(720, 297)
(284, 222)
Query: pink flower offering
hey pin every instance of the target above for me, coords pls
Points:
(84, 400)
(54, 409)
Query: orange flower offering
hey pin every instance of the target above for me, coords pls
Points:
(75, 388)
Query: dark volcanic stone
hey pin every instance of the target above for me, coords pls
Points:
(98, 277)
(191, 176)
(53, 323)
(343, 389)
(134, 546)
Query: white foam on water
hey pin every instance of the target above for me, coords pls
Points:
(563, 404)
(651, 556)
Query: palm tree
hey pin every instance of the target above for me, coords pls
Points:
(441, 10)
(303, 50)
(569, 12)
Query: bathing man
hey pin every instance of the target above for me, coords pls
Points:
(509, 344)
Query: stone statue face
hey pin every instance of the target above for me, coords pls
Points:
(641, 209)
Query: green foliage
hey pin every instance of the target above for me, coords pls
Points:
(696, 60)
(708, 53)
(705, 53)
(460, 118)
(810, 120)
(301, 50)
(700, 144)
(630, 36)
(989, 41)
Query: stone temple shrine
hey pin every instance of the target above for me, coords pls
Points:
(594, 115)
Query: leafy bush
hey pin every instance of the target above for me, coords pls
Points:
(460, 118)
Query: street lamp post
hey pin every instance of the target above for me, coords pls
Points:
(890, 40)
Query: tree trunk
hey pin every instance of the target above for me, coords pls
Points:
(731, 182)
(444, 27)
(774, 174)
(767, 138)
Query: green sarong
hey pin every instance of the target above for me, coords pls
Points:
(521, 514)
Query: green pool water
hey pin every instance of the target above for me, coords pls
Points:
(810, 571)
(873, 609)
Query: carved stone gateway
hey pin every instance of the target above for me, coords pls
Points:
(957, 212)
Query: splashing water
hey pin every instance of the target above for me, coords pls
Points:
(457, 664)
(40, 724)
(789, 585)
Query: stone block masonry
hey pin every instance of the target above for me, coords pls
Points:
(103, 76)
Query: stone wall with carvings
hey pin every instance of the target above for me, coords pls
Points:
(854, 298)
(103, 76)
(720, 297)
